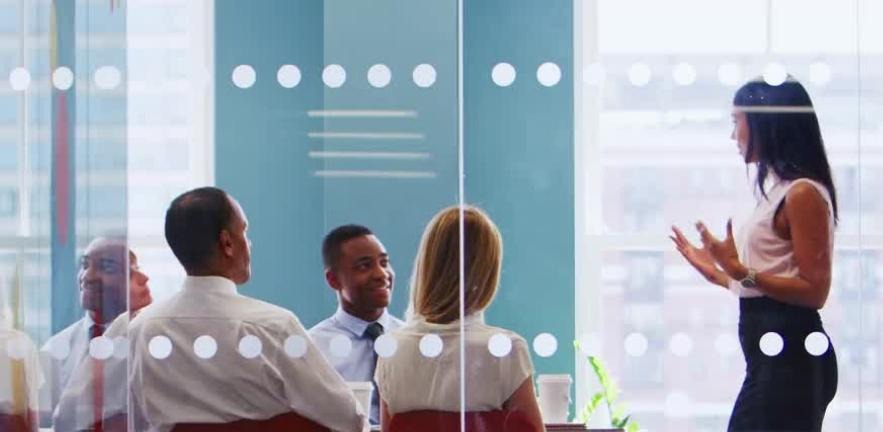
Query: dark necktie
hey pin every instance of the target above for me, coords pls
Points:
(373, 331)
(95, 330)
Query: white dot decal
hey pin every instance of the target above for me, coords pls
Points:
(726, 344)
(681, 344)
(288, 76)
(334, 76)
(386, 346)
(244, 76)
(636, 344)
(424, 75)
(19, 79)
(503, 74)
(340, 346)
(120, 347)
(819, 73)
(431, 345)
(379, 76)
(684, 74)
(729, 74)
(640, 74)
(60, 348)
(771, 344)
(160, 347)
(775, 74)
(594, 74)
(205, 347)
(63, 78)
(499, 345)
(107, 77)
(296, 346)
(545, 345)
(100, 348)
(250, 347)
(548, 74)
(816, 343)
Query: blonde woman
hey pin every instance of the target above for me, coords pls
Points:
(410, 381)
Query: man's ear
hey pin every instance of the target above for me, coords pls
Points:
(226, 243)
(332, 280)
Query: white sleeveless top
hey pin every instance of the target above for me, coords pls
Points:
(760, 248)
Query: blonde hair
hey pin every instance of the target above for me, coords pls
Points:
(435, 282)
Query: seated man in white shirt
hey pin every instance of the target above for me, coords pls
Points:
(357, 268)
(211, 355)
(102, 293)
(81, 408)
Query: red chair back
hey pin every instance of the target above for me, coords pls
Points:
(446, 421)
(281, 423)
(18, 422)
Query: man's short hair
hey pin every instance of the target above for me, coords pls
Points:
(335, 239)
(194, 222)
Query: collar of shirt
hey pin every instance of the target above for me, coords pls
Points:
(468, 321)
(205, 284)
(356, 325)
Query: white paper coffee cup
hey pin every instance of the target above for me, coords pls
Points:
(554, 397)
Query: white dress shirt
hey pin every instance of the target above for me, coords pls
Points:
(20, 376)
(284, 372)
(410, 381)
(359, 363)
(76, 407)
(60, 356)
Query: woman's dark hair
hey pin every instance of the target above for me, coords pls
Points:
(784, 134)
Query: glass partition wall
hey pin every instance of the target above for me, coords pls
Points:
(466, 205)
(64, 231)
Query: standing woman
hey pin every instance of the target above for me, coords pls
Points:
(780, 262)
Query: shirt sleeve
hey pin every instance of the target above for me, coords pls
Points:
(517, 369)
(314, 389)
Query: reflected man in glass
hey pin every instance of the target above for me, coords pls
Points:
(81, 406)
(102, 278)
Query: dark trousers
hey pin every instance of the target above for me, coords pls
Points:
(789, 391)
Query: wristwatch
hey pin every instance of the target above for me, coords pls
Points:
(750, 280)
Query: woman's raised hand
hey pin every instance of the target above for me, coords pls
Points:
(723, 251)
(700, 258)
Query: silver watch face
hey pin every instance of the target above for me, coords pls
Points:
(749, 281)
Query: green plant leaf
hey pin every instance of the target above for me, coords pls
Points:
(608, 394)
(618, 411)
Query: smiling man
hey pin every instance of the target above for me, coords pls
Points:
(102, 293)
(357, 268)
